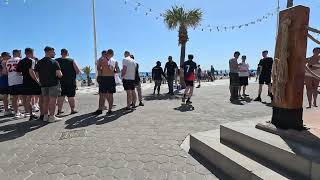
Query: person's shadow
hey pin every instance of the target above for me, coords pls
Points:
(185, 108)
(14, 131)
(114, 116)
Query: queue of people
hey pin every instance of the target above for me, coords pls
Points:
(38, 83)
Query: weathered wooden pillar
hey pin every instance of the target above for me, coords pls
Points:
(287, 112)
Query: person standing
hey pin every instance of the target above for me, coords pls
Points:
(49, 72)
(15, 81)
(4, 87)
(234, 77)
(189, 68)
(157, 73)
(138, 83)
(311, 82)
(265, 65)
(106, 80)
(129, 76)
(170, 70)
(31, 82)
(69, 69)
(243, 76)
(199, 76)
(213, 73)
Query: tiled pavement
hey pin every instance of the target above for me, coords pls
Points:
(144, 144)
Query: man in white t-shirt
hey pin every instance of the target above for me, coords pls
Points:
(15, 80)
(243, 76)
(128, 79)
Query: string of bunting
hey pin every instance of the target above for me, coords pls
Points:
(139, 6)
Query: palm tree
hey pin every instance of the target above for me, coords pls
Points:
(182, 19)
(87, 71)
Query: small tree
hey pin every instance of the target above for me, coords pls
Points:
(87, 71)
(182, 19)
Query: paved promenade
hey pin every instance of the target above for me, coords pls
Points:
(143, 144)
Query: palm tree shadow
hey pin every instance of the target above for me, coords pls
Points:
(185, 108)
(14, 131)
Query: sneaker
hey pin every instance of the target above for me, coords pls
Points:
(33, 117)
(59, 113)
(18, 116)
(53, 119)
(245, 95)
(7, 113)
(74, 112)
(41, 118)
(258, 99)
(109, 112)
(184, 98)
(141, 103)
(98, 112)
(35, 109)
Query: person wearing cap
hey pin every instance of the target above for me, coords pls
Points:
(49, 72)
(69, 69)
(138, 83)
(170, 70)
(4, 89)
(189, 68)
(15, 81)
(128, 79)
(157, 73)
(30, 82)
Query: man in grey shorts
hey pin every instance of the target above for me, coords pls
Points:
(49, 72)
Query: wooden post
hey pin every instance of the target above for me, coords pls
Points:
(287, 114)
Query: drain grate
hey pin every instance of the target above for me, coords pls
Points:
(73, 134)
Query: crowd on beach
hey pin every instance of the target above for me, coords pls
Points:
(42, 85)
(239, 74)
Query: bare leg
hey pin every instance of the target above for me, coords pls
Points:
(110, 101)
(72, 103)
(186, 91)
(134, 97)
(5, 102)
(28, 106)
(191, 91)
(239, 90)
(60, 103)
(102, 100)
(315, 92)
(309, 94)
(45, 105)
(260, 90)
(15, 104)
(244, 89)
(52, 105)
(129, 99)
(270, 89)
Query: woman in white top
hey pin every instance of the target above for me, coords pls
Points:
(243, 76)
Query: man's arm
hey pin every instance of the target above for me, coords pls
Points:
(99, 69)
(124, 71)
(76, 67)
(165, 68)
(163, 74)
(58, 70)
(32, 72)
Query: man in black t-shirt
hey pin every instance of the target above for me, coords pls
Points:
(265, 66)
(69, 69)
(49, 72)
(157, 73)
(189, 68)
(170, 69)
(30, 81)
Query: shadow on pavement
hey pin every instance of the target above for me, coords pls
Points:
(13, 131)
(267, 104)
(185, 108)
(152, 97)
(90, 119)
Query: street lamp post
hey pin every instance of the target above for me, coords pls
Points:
(94, 36)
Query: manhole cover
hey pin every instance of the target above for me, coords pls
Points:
(73, 134)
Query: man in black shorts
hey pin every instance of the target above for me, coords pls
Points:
(170, 70)
(31, 82)
(265, 65)
(189, 68)
(128, 78)
(69, 70)
(106, 80)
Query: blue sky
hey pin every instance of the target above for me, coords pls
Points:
(68, 24)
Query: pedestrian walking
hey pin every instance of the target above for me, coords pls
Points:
(189, 68)
(4, 87)
(199, 76)
(138, 83)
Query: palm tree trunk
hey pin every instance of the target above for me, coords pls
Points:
(182, 59)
